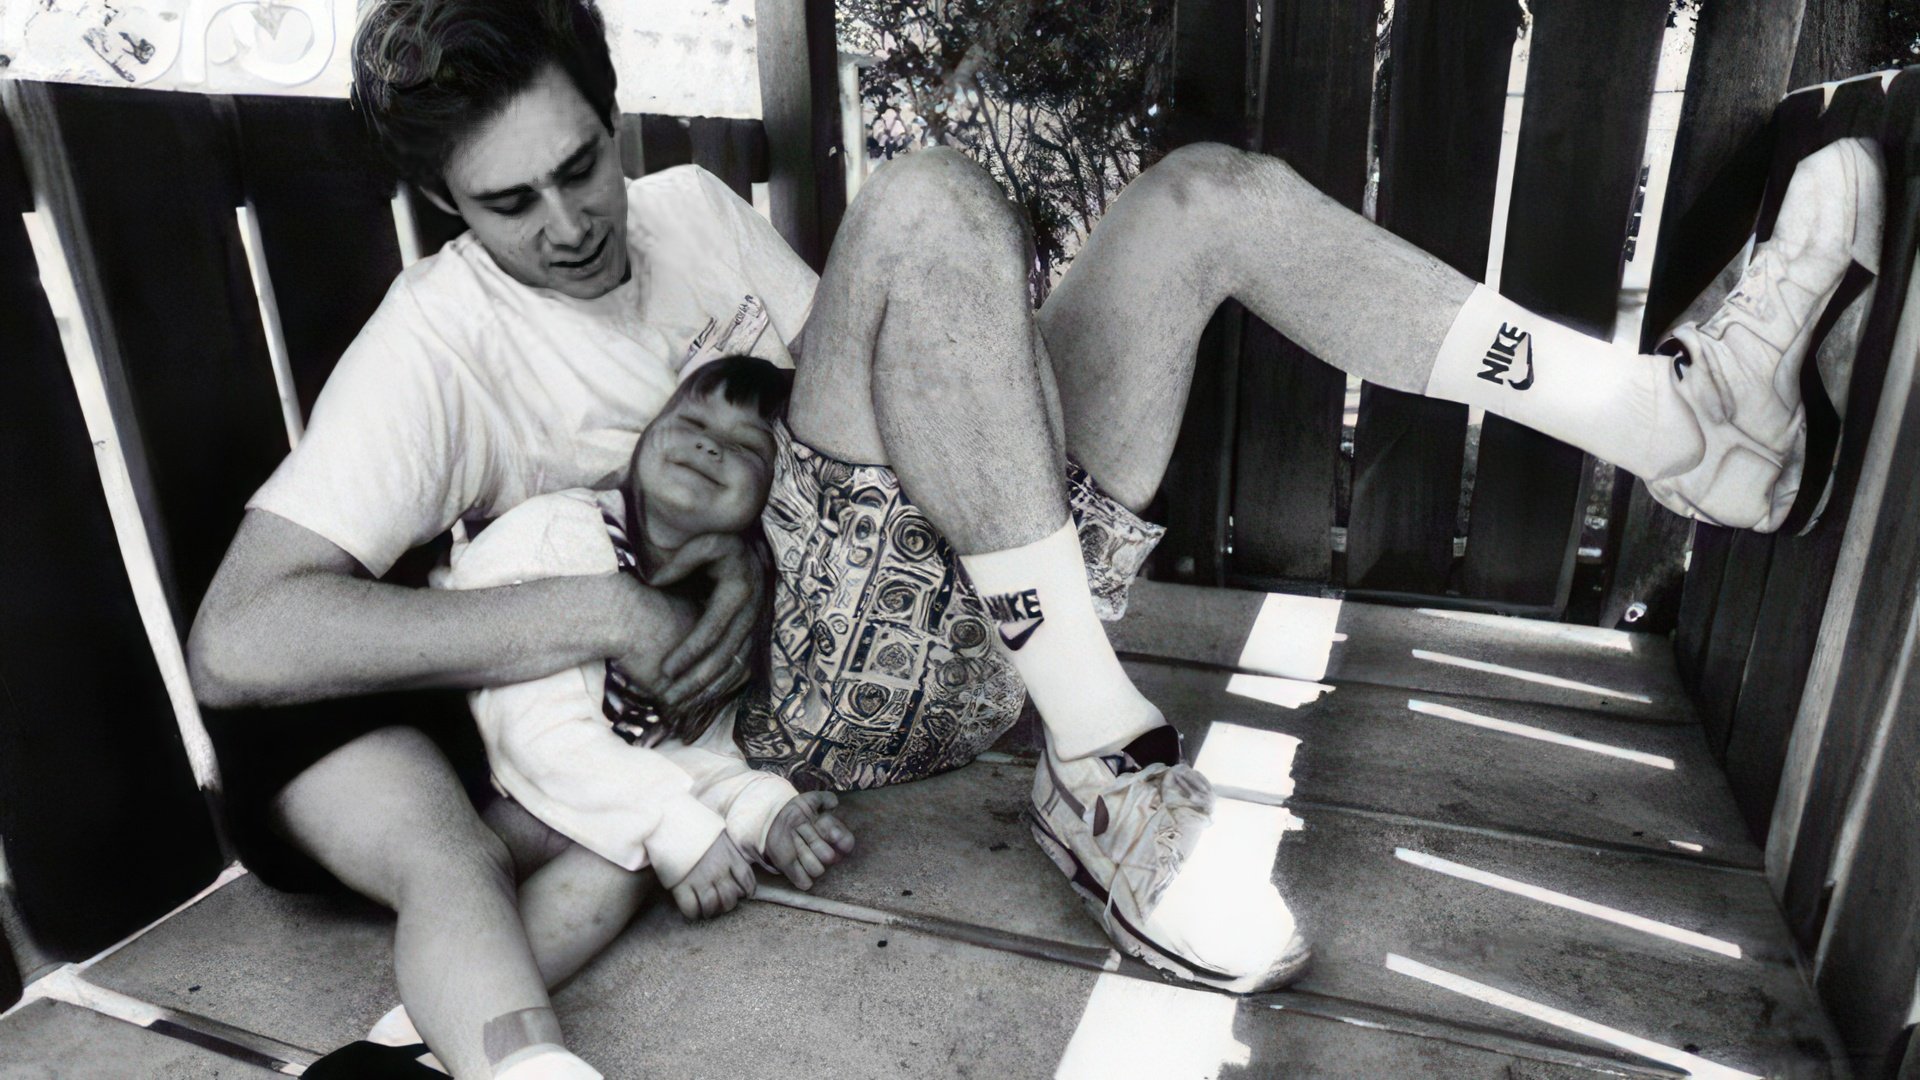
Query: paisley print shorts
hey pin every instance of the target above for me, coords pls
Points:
(883, 667)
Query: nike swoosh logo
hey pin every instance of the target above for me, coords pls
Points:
(1522, 384)
(1015, 641)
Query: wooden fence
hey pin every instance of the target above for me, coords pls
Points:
(133, 270)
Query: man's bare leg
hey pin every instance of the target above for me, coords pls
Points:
(388, 817)
(922, 354)
(1209, 222)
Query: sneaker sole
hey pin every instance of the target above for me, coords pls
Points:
(1137, 944)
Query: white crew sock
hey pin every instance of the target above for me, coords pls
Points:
(544, 1061)
(1620, 407)
(1038, 595)
(396, 1029)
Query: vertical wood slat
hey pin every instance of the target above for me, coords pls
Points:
(1582, 137)
(174, 284)
(1730, 641)
(1209, 105)
(1438, 172)
(1317, 96)
(323, 199)
(1699, 597)
(1739, 71)
(798, 57)
(1850, 682)
(90, 758)
(1802, 567)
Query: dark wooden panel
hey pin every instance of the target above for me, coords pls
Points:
(1873, 940)
(1288, 439)
(1439, 162)
(1209, 105)
(104, 829)
(1730, 641)
(1699, 596)
(1582, 137)
(1317, 95)
(1885, 591)
(174, 285)
(733, 150)
(432, 226)
(324, 201)
(1735, 78)
(1649, 564)
(1786, 630)
(799, 63)
(668, 141)
(1738, 72)
(1194, 491)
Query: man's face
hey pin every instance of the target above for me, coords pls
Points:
(704, 467)
(540, 186)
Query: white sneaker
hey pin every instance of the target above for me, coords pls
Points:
(1740, 373)
(1133, 841)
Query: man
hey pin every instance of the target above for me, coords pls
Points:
(517, 361)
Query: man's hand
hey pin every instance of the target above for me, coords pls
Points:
(650, 638)
(716, 883)
(805, 839)
(712, 661)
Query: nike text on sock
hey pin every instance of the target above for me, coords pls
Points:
(1038, 598)
(1615, 404)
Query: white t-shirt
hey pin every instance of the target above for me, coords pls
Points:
(468, 393)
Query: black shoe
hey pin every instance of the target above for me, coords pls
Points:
(372, 1061)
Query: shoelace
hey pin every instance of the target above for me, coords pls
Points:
(1127, 790)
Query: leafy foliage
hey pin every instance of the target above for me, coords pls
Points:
(1061, 100)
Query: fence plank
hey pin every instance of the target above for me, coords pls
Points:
(1209, 105)
(733, 150)
(1870, 950)
(324, 200)
(1803, 566)
(1439, 166)
(798, 57)
(1582, 137)
(1317, 96)
(173, 283)
(1852, 675)
(1738, 72)
(90, 759)
(1730, 641)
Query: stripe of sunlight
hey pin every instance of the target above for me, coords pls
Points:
(1289, 693)
(1448, 712)
(1596, 636)
(1123, 1033)
(1566, 1021)
(123, 505)
(1527, 676)
(1292, 637)
(1570, 903)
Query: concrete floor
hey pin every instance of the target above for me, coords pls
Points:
(1503, 877)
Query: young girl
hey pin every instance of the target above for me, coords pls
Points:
(585, 751)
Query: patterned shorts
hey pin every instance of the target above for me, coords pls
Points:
(883, 665)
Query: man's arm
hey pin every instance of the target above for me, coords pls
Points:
(289, 618)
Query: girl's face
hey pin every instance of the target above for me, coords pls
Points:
(704, 466)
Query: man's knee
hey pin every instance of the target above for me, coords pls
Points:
(1213, 179)
(938, 202)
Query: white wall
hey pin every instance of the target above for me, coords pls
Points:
(681, 57)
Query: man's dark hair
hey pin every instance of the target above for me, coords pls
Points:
(427, 72)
